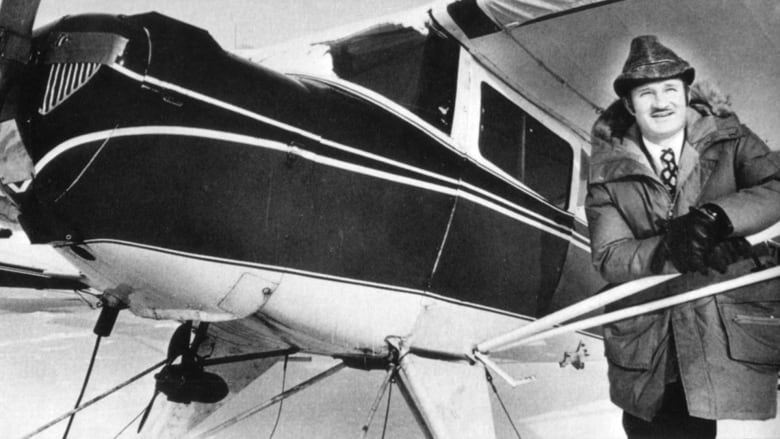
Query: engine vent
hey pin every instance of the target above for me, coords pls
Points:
(64, 80)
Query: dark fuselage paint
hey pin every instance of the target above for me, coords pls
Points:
(324, 182)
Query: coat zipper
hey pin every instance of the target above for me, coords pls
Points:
(757, 320)
(670, 212)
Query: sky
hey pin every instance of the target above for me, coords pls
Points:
(241, 23)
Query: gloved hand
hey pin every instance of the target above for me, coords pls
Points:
(690, 238)
(727, 252)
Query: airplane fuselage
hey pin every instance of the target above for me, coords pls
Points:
(194, 185)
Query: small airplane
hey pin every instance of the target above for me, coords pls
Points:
(416, 207)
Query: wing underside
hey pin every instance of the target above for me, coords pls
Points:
(450, 399)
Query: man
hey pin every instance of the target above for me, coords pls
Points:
(675, 182)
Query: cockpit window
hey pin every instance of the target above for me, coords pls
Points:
(418, 70)
(438, 81)
(527, 150)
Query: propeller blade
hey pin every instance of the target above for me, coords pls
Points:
(147, 410)
(16, 22)
(18, 15)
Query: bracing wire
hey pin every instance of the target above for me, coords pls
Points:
(501, 402)
(281, 403)
(81, 293)
(387, 408)
(262, 406)
(83, 386)
(96, 399)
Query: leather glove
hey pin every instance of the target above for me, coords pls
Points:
(727, 252)
(690, 238)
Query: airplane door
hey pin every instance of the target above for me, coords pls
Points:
(512, 229)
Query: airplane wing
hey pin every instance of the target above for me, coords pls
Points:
(564, 55)
(561, 54)
(23, 265)
(17, 276)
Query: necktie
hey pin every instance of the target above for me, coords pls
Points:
(669, 169)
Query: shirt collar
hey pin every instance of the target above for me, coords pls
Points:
(676, 143)
(655, 150)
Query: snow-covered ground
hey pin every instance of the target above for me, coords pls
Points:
(46, 340)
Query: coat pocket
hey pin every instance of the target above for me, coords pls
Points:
(632, 343)
(753, 331)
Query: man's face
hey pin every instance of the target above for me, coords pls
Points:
(659, 108)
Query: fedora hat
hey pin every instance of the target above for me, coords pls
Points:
(648, 61)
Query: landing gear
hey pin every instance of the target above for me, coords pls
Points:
(109, 312)
(390, 378)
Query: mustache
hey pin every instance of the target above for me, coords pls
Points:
(656, 111)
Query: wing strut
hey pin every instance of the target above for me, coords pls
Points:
(711, 290)
(542, 332)
(522, 334)
(545, 327)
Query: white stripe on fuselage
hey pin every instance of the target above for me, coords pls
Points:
(323, 314)
(580, 240)
(454, 188)
(297, 272)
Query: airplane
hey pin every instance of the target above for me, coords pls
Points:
(408, 210)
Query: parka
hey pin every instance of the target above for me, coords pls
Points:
(724, 349)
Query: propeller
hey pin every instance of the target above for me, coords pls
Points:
(186, 381)
(16, 22)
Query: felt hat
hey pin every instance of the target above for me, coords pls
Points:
(649, 61)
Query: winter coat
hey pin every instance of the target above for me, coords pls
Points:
(726, 348)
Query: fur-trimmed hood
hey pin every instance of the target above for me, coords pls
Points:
(706, 98)
(615, 137)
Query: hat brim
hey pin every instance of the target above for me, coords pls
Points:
(627, 82)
